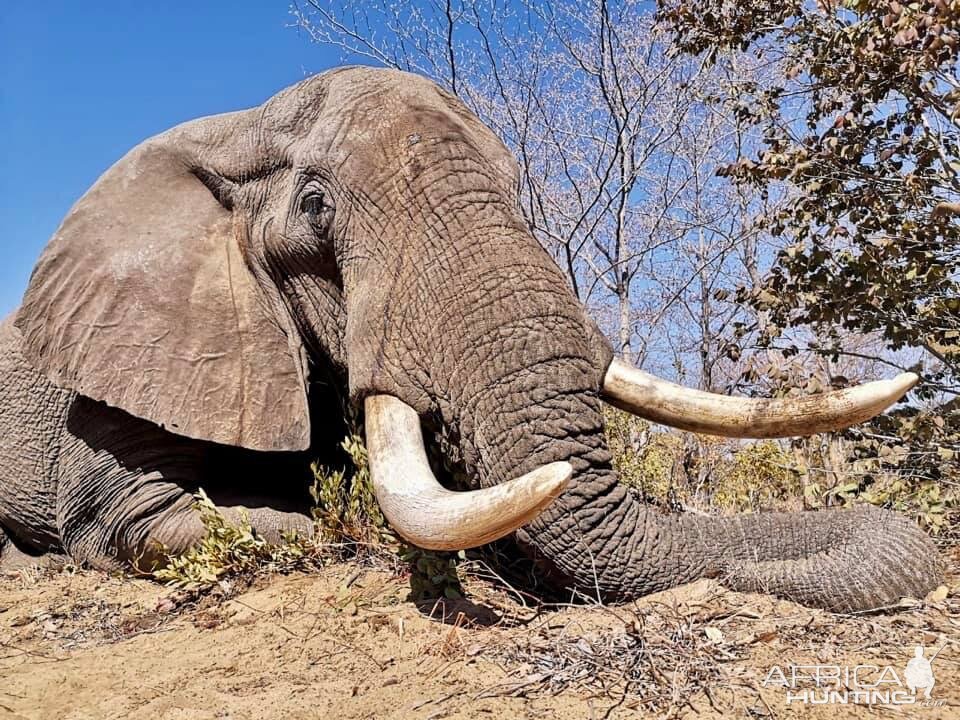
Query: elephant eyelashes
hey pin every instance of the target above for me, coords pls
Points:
(312, 205)
(317, 210)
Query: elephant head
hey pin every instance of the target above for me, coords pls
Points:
(365, 224)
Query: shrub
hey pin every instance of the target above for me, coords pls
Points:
(670, 466)
(226, 549)
(756, 476)
(345, 507)
(644, 460)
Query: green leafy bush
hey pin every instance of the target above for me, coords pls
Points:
(345, 506)
(347, 521)
(880, 467)
(226, 549)
(756, 476)
(644, 460)
(433, 574)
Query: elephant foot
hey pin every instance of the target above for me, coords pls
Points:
(269, 523)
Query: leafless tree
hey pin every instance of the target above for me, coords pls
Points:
(618, 141)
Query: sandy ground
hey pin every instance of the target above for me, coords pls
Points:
(346, 643)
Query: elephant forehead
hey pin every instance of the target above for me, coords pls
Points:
(378, 91)
(385, 115)
(372, 115)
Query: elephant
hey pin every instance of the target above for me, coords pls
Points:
(221, 298)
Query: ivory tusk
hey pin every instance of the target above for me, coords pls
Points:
(660, 401)
(427, 514)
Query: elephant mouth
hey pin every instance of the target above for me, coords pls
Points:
(425, 513)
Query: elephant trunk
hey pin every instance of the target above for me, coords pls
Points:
(599, 538)
(841, 560)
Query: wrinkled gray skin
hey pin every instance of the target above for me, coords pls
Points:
(359, 232)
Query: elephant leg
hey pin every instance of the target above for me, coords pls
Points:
(14, 557)
(173, 531)
(11, 557)
(159, 519)
(125, 493)
(32, 411)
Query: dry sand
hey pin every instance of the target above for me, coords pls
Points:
(346, 643)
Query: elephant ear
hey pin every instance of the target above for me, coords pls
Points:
(144, 298)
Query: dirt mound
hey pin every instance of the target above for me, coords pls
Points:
(347, 643)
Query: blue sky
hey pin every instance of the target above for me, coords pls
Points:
(83, 82)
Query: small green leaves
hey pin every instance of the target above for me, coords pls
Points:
(345, 505)
(226, 549)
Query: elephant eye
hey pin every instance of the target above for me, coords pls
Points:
(312, 204)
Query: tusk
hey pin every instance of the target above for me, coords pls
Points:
(424, 512)
(664, 402)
